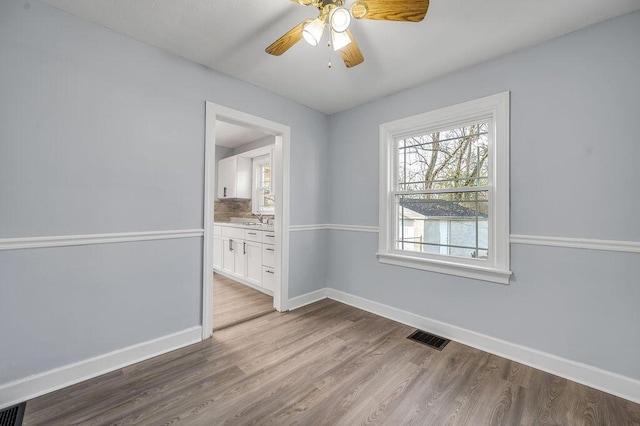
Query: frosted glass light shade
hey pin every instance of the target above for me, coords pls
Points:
(340, 19)
(312, 32)
(339, 40)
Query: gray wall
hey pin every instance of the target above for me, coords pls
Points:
(574, 173)
(100, 134)
(74, 303)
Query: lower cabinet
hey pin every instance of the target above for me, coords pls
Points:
(228, 255)
(269, 261)
(253, 262)
(239, 254)
(234, 254)
(268, 278)
(238, 258)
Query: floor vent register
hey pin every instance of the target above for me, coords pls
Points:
(12, 416)
(431, 340)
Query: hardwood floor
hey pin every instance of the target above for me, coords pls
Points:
(234, 302)
(328, 364)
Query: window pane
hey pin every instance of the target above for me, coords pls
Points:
(266, 200)
(265, 176)
(451, 223)
(455, 158)
(463, 236)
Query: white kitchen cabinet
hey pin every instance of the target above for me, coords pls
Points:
(269, 255)
(268, 260)
(228, 255)
(233, 257)
(253, 262)
(268, 278)
(233, 232)
(239, 258)
(248, 256)
(253, 235)
(234, 178)
(232, 251)
(242, 253)
(269, 237)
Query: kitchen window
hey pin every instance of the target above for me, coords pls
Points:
(263, 201)
(444, 200)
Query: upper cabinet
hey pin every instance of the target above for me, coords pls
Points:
(234, 178)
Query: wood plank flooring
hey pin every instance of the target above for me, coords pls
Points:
(328, 364)
(234, 302)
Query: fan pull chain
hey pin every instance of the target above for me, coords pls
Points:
(329, 46)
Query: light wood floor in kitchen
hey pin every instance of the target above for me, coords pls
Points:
(328, 364)
(234, 302)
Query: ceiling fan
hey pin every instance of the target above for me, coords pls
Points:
(338, 17)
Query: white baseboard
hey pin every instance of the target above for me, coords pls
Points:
(307, 299)
(39, 384)
(606, 381)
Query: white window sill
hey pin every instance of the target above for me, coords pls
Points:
(450, 268)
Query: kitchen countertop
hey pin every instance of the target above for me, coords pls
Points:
(245, 226)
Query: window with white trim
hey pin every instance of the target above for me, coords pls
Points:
(263, 201)
(444, 190)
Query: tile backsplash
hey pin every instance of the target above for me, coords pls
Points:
(225, 210)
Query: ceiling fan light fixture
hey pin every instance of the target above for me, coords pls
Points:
(359, 9)
(340, 19)
(312, 32)
(339, 40)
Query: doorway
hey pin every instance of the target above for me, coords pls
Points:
(235, 303)
(276, 238)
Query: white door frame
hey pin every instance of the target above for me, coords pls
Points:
(282, 135)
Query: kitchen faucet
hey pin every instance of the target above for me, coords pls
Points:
(258, 216)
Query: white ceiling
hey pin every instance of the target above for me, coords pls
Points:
(230, 36)
(232, 135)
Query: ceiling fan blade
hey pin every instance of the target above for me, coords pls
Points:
(285, 42)
(391, 10)
(351, 54)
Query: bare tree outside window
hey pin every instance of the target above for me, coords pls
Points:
(442, 192)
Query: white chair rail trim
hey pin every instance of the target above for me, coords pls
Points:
(86, 239)
(579, 243)
(536, 240)
(334, 227)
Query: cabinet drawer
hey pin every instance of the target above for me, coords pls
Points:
(268, 278)
(217, 230)
(237, 233)
(269, 255)
(269, 237)
(253, 235)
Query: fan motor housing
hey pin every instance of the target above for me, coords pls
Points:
(332, 2)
